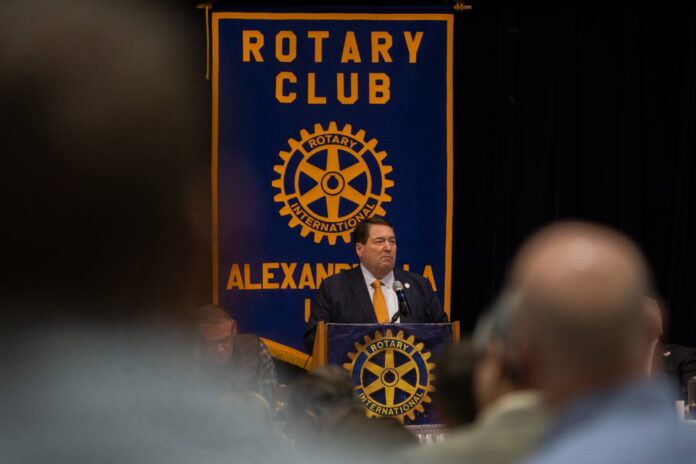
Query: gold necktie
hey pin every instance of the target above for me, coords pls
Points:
(380, 304)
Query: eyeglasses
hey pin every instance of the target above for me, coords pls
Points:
(226, 343)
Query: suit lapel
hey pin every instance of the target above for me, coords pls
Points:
(362, 296)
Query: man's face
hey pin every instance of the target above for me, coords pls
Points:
(217, 341)
(378, 254)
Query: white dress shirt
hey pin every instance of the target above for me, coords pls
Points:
(387, 288)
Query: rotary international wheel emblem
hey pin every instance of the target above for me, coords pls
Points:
(392, 375)
(331, 180)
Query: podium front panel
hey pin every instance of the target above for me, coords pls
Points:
(391, 365)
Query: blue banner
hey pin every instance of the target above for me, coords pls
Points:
(321, 120)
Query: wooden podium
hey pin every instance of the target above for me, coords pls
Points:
(391, 364)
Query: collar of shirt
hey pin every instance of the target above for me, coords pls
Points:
(387, 281)
(387, 288)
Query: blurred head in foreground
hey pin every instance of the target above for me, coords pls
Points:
(454, 383)
(580, 316)
(482, 379)
(321, 398)
(497, 372)
(330, 424)
(472, 375)
(103, 125)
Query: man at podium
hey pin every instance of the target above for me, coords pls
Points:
(373, 292)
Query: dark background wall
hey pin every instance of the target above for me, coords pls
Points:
(575, 110)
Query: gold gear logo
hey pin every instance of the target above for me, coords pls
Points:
(331, 180)
(392, 375)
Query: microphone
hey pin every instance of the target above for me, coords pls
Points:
(404, 310)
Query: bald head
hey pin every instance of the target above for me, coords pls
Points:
(581, 288)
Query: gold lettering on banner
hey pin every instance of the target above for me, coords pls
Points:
(247, 279)
(282, 38)
(350, 49)
(288, 270)
(318, 37)
(379, 88)
(323, 272)
(289, 45)
(292, 276)
(428, 274)
(268, 275)
(252, 41)
(281, 96)
(312, 97)
(306, 278)
(381, 43)
(235, 278)
(412, 43)
(340, 88)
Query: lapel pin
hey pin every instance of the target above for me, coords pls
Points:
(407, 285)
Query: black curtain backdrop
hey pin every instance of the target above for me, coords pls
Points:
(575, 110)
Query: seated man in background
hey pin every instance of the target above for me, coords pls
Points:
(234, 362)
(454, 384)
(511, 418)
(329, 424)
(678, 362)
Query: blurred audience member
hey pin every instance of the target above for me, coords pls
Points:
(678, 362)
(329, 424)
(581, 337)
(232, 361)
(119, 395)
(511, 417)
(454, 384)
(102, 113)
(103, 123)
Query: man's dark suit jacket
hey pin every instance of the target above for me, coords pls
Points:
(680, 363)
(344, 297)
